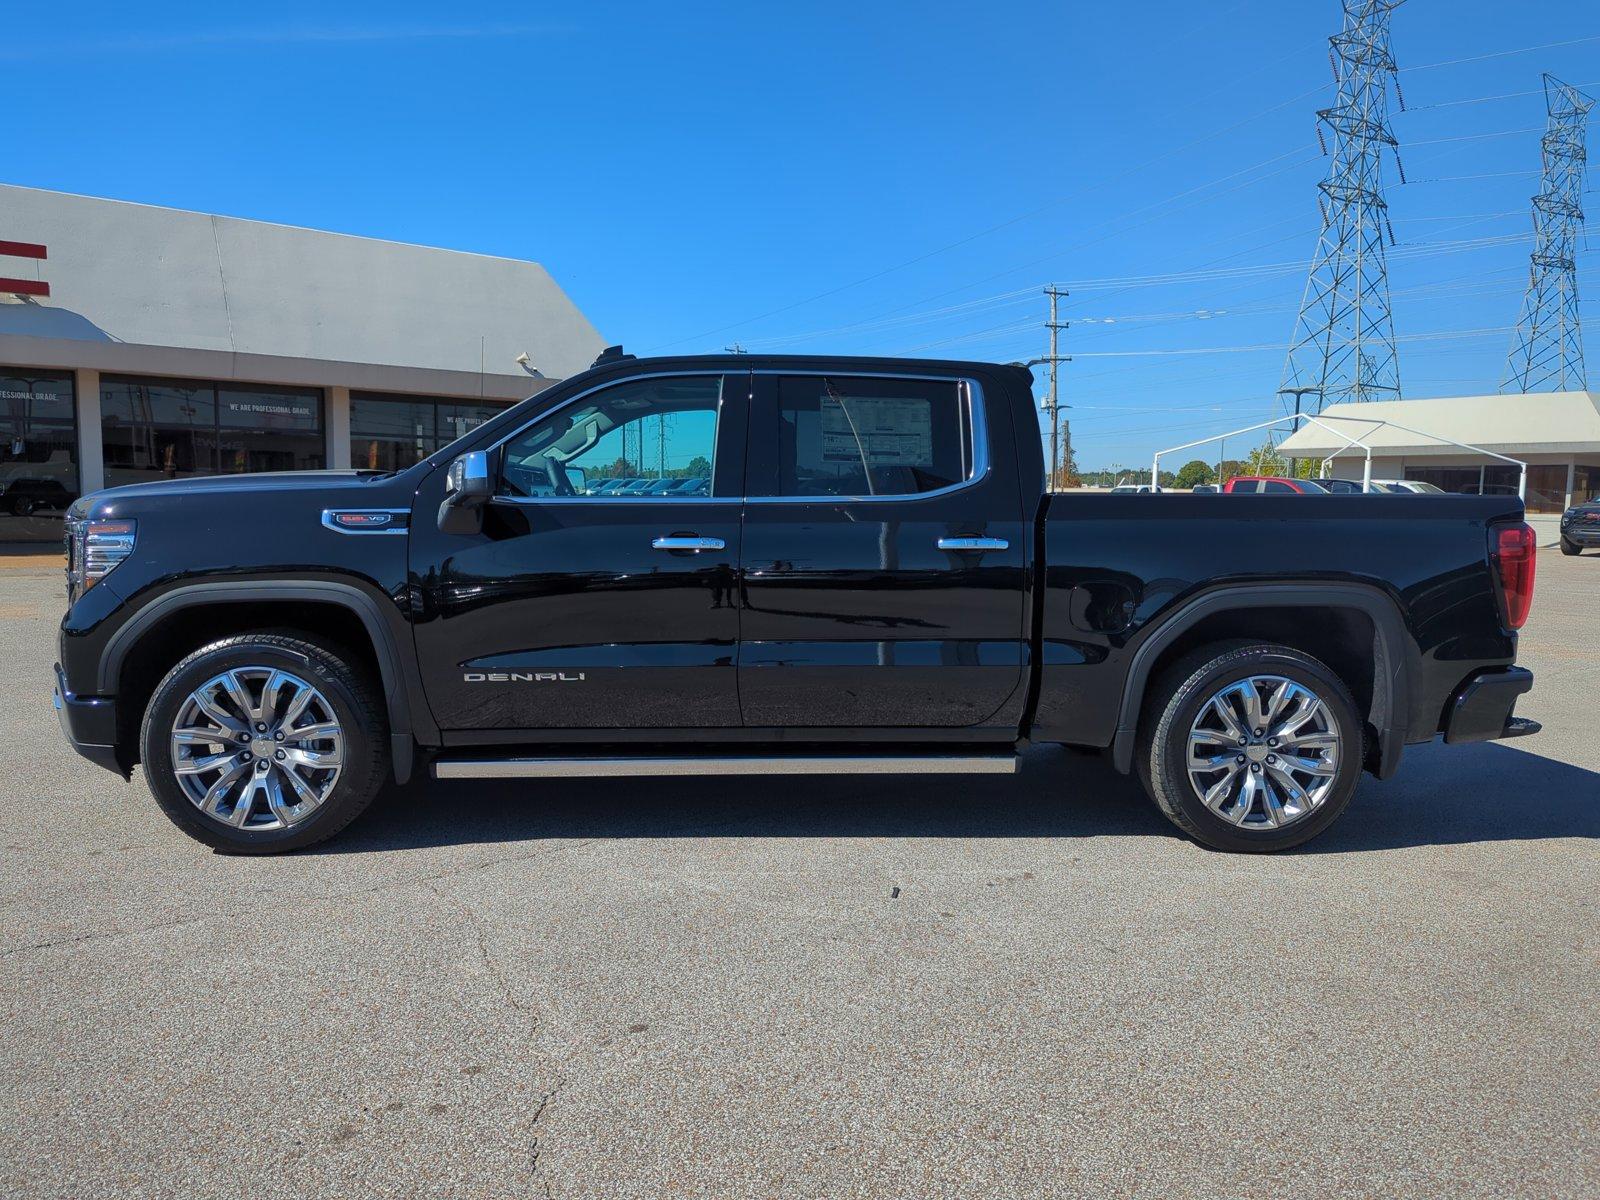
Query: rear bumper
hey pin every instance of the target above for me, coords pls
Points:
(90, 723)
(1480, 711)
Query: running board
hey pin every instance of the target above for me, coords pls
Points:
(789, 764)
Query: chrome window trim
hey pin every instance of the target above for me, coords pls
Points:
(327, 521)
(971, 396)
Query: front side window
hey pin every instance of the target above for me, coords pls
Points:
(645, 439)
(854, 436)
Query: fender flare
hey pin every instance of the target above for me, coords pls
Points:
(391, 664)
(1391, 673)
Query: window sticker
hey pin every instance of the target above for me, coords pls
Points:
(876, 430)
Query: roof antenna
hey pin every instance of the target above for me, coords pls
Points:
(611, 354)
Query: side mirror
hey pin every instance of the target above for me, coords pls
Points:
(468, 485)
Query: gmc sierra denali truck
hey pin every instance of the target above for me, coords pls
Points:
(752, 565)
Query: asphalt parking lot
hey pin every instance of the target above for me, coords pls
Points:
(820, 988)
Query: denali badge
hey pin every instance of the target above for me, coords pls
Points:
(521, 677)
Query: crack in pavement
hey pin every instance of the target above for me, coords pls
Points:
(480, 935)
(533, 1128)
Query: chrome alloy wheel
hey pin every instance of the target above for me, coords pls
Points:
(257, 747)
(1263, 752)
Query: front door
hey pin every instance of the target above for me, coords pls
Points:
(600, 594)
(884, 557)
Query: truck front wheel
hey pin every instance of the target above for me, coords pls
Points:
(263, 743)
(1251, 747)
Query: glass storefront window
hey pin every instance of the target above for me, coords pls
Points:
(458, 420)
(173, 428)
(1585, 483)
(389, 432)
(38, 453)
(1547, 488)
(1547, 482)
(269, 408)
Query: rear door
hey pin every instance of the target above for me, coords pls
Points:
(581, 606)
(884, 553)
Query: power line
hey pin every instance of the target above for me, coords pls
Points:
(1414, 108)
(1502, 54)
(1102, 184)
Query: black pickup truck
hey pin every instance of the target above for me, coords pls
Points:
(751, 565)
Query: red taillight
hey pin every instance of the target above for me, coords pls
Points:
(1514, 554)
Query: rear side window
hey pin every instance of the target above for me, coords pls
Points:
(1242, 486)
(852, 436)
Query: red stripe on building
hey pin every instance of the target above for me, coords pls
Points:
(25, 287)
(23, 250)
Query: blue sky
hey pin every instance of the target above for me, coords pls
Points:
(863, 178)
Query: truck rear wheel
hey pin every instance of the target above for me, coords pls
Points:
(263, 743)
(1253, 747)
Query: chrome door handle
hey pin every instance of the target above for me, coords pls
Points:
(973, 543)
(688, 543)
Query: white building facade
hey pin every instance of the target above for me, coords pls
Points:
(1557, 434)
(140, 343)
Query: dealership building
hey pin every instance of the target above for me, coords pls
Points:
(1555, 434)
(141, 343)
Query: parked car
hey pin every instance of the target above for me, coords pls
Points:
(24, 496)
(1580, 527)
(1416, 487)
(1135, 489)
(1273, 485)
(925, 607)
(1206, 489)
(1351, 487)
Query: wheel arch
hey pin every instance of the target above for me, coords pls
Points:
(1230, 612)
(249, 601)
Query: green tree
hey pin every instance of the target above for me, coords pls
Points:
(699, 466)
(1194, 471)
(1265, 460)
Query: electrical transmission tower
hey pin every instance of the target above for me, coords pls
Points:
(1343, 345)
(1547, 353)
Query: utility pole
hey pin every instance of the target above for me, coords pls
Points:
(736, 348)
(1055, 326)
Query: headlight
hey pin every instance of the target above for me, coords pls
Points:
(104, 544)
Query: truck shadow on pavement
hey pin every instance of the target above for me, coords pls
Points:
(1442, 796)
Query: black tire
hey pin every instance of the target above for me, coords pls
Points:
(1176, 701)
(356, 705)
(1570, 548)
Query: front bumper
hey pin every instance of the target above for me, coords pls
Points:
(1582, 533)
(1480, 711)
(90, 723)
